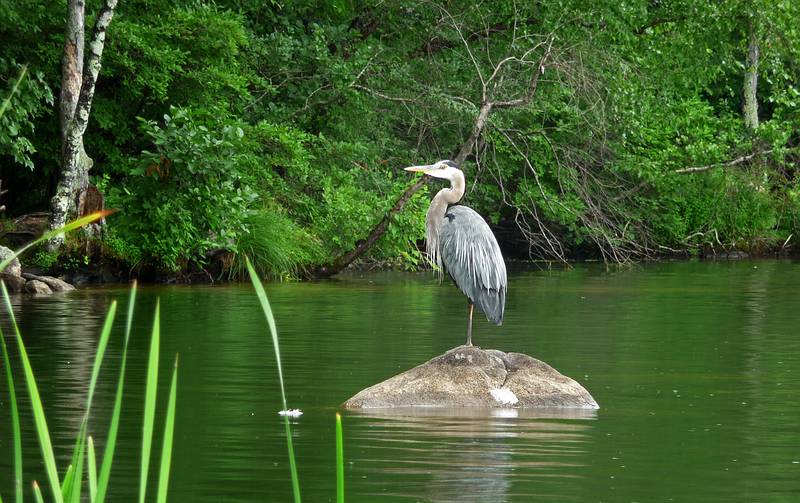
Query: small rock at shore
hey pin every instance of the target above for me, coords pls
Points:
(14, 268)
(37, 287)
(55, 284)
(468, 376)
(14, 284)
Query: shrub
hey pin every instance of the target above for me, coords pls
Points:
(192, 193)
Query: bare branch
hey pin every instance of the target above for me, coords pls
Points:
(477, 128)
(508, 59)
(534, 81)
(361, 73)
(727, 164)
(383, 96)
(469, 51)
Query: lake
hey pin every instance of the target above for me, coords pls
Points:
(695, 365)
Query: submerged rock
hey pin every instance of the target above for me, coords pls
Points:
(468, 376)
(55, 284)
(37, 287)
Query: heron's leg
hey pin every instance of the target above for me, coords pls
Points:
(470, 306)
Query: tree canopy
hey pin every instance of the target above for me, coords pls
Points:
(279, 129)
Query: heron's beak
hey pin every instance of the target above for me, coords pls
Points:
(423, 169)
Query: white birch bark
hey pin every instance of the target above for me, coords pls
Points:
(78, 84)
(750, 106)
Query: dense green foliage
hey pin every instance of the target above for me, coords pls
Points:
(279, 129)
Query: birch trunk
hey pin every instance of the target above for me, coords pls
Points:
(750, 106)
(77, 91)
(71, 66)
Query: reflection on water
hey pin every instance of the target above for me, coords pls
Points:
(696, 365)
(469, 454)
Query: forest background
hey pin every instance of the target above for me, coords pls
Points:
(611, 130)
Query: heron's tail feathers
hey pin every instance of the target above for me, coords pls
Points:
(492, 302)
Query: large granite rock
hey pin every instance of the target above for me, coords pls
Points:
(14, 268)
(55, 284)
(37, 287)
(468, 376)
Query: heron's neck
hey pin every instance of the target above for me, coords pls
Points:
(445, 197)
(436, 211)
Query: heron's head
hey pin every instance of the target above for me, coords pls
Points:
(442, 169)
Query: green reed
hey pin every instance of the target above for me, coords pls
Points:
(265, 306)
(69, 489)
(339, 460)
(262, 299)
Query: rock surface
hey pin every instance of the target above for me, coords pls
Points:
(55, 284)
(37, 287)
(14, 268)
(14, 284)
(468, 376)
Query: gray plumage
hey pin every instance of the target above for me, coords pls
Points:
(459, 241)
(471, 256)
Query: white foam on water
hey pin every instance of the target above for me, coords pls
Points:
(291, 413)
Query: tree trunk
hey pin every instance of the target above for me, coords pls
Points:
(71, 66)
(77, 92)
(750, 106)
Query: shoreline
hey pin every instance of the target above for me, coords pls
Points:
(106, 274)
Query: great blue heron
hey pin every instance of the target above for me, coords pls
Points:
(459, 241)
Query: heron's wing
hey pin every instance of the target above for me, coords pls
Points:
(472, 257)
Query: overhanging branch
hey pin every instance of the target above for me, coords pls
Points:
(708, 167)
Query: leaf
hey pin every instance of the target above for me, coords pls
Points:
(169, 428)
(72, 488)
(262, 299)
(37, 493)
(92, 467)
(40, 421)
(149, 404)
(99, 215)
(72, 491)
(339, 460)
(12, 399)
(99, 354)
(14, 90)
(66, 485)
(111, 441)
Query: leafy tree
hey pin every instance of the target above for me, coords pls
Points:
(627, 137)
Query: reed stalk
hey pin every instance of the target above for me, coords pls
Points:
(262, 299)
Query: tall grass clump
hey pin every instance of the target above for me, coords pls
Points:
(69, 486)
(276, 246)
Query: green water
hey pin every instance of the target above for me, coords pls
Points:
(696, 367)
